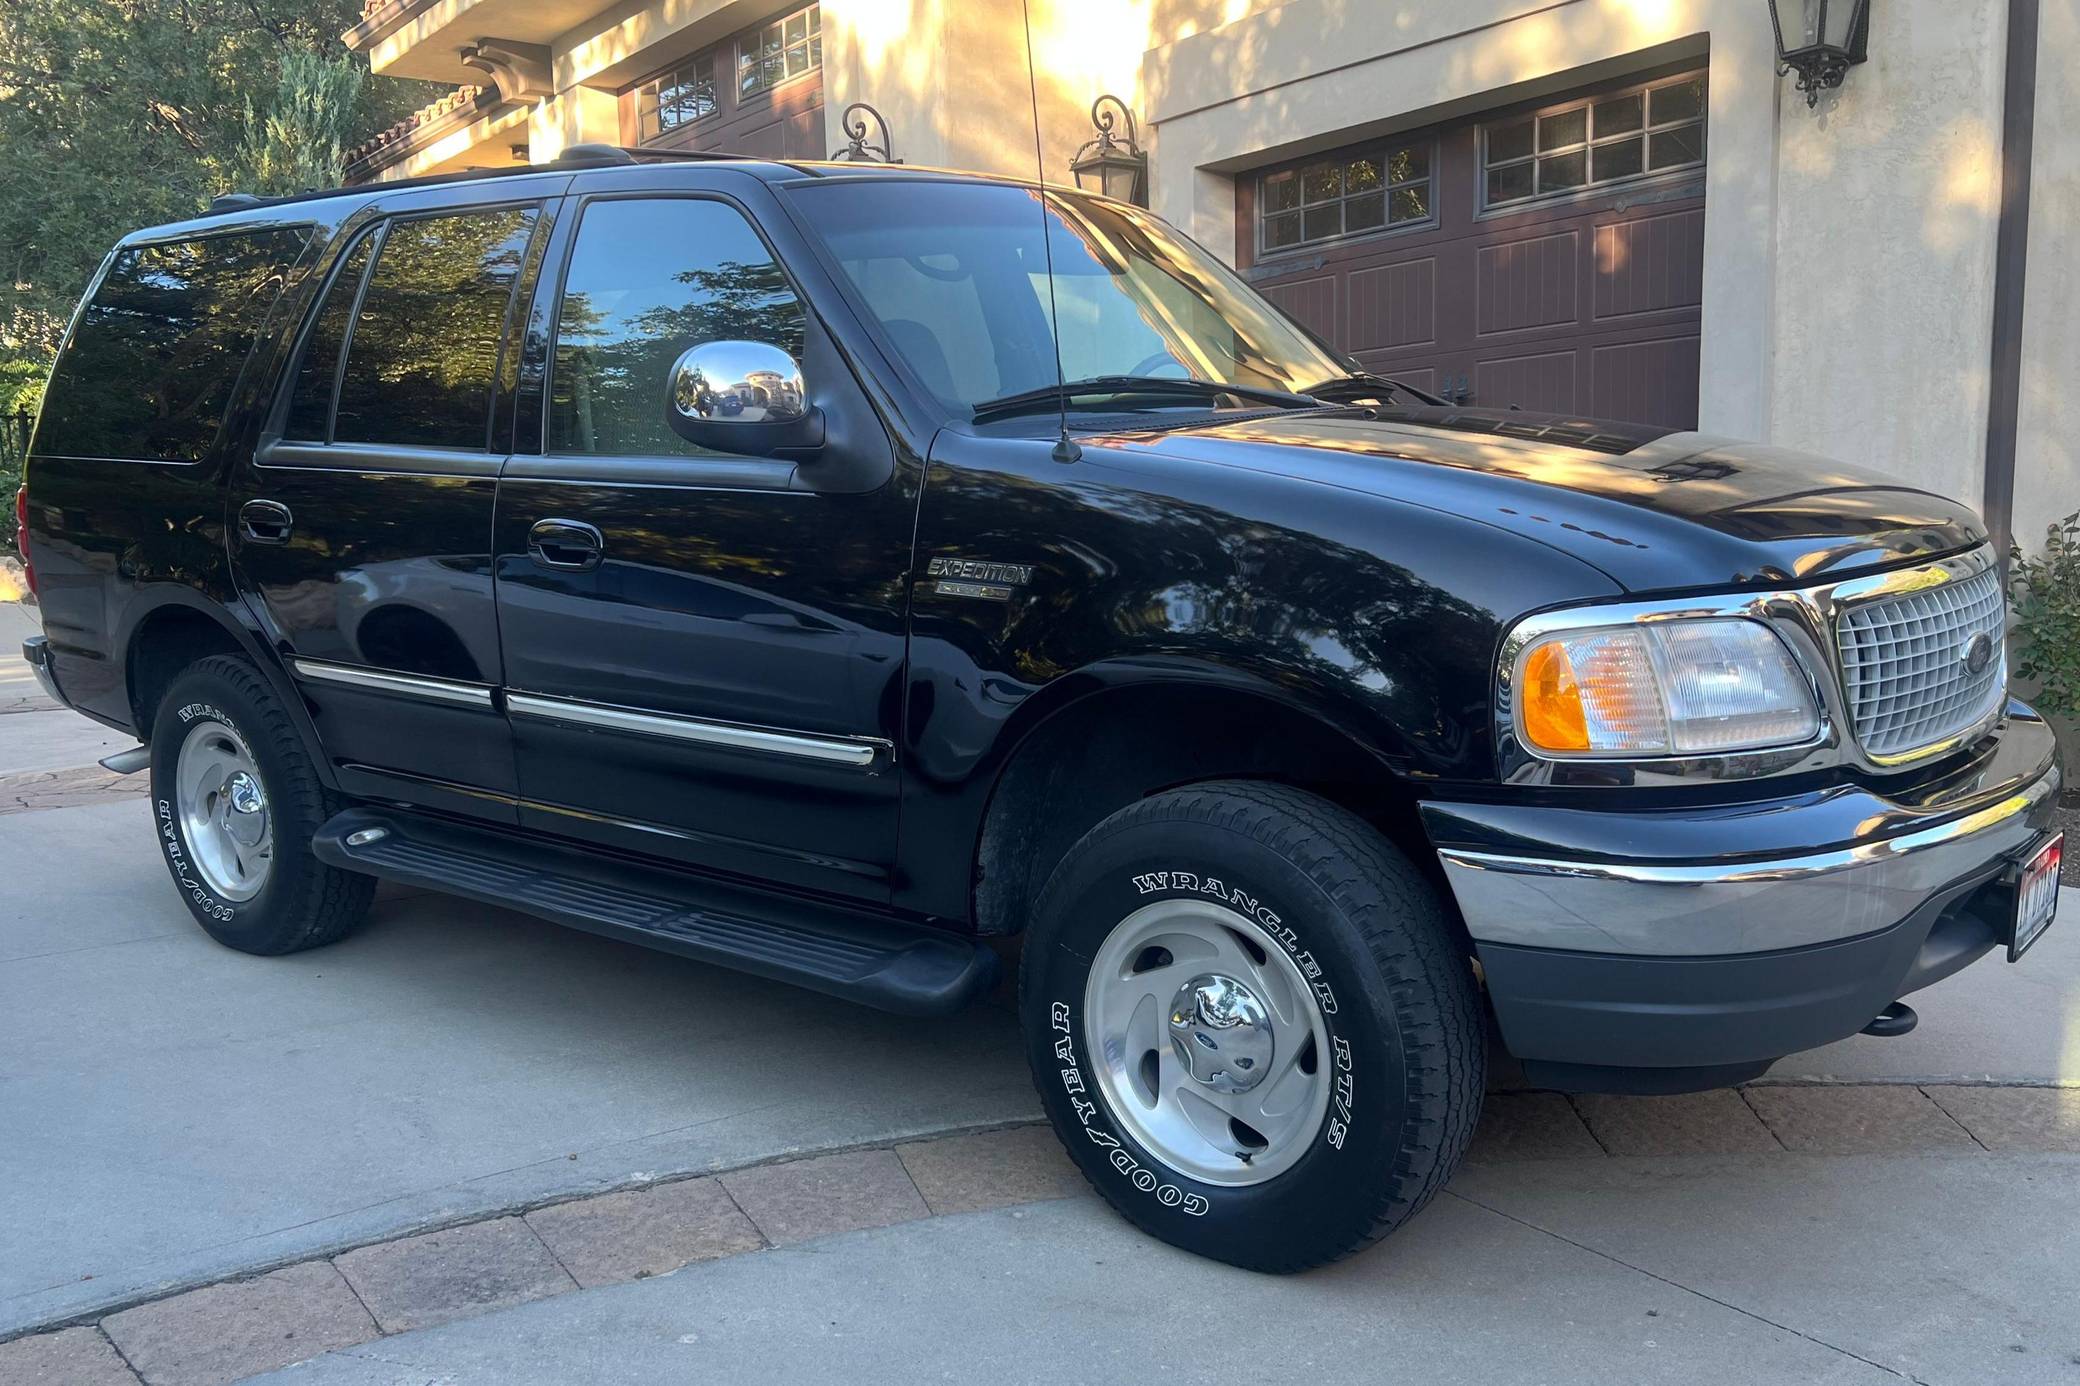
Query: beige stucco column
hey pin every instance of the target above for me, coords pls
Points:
(575, 115)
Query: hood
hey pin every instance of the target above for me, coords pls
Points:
(1653, 508)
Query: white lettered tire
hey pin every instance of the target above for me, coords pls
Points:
(1252, 1024)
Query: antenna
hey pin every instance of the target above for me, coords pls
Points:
(1065, 448)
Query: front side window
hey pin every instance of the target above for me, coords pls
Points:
(785, 48)
(676, 99)
(424, 346)
(150, 368)
(1329, 198)
(648, 278)
(956, 274)
(1604, 139)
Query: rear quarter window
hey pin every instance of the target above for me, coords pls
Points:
(152, 364)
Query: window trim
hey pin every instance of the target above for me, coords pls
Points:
(757, 31)
(1428, 222)
(721, 471)
(1586, 101)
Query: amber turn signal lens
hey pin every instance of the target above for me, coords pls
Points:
(1552, 701)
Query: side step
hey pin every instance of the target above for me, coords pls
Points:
(884, 963)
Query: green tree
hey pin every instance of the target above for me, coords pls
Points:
(116, 114)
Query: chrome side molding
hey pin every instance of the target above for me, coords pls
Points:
(858, 752)
(385, 681)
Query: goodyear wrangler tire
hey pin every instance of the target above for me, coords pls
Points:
(1251, 1024)
(235, 802)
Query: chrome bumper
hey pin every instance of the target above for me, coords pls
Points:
(36, 653)
(1901, 855)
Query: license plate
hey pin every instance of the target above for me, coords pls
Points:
(2036, 897)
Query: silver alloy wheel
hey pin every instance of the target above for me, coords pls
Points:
(1208, 1043)
(223, 811)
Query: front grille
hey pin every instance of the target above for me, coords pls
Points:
(1904, 668)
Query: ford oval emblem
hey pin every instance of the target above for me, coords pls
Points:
(1976, 653)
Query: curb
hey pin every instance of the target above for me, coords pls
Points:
(271, 1316)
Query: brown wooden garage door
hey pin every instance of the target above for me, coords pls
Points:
(758, 92)
(1546, 256)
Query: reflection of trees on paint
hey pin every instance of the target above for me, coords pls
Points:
(612, 371)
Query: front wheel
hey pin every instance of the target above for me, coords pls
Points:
(1252, 1024)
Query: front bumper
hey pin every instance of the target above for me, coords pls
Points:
(1674, 948)
(36, 653)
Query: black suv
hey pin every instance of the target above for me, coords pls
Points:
(822, 571)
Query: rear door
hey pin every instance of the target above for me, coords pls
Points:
(361, 526)
(703, 650)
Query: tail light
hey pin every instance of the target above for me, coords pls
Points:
(21, 535)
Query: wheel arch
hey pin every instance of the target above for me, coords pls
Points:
(1107, 737)
(181, 626)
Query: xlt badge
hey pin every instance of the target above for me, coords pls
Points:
(972, 577)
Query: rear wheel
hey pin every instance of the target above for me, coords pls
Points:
(236, 801)
(1252, 1024)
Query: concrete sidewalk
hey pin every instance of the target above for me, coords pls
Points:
(1738, 1270)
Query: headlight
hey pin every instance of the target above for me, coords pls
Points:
(1658, 688)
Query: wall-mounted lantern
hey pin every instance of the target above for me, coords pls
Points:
(1826, 38)
(860, 149)
(1111, 164)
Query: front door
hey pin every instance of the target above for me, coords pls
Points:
(703, 656)
(361, 526)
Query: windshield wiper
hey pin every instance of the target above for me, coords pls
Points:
(1049, 397)
(1365, 385)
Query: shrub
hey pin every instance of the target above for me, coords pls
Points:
(2045, 592)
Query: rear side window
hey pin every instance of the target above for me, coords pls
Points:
(310, 406)
(157, 353)
(424, 346)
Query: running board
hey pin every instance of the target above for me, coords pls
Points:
(884, 963)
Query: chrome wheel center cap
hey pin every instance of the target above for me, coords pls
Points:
(247, 821)
(1221, 1032)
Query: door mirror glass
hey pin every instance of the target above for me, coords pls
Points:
(735, 383)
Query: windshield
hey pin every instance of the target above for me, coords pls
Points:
(956, 274)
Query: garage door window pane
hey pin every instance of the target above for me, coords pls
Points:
(1618, 117)
(1618, 159)
(1679, 101)
(1367, 213)
(1321, 183)
(1320, 222)
(1563, 171)
(1411, 204)
(1280, 232)
(1408, 164)
(1508, 142)
(1509, 184)
(1363, 176)
(1560, 131)
(1674, 148)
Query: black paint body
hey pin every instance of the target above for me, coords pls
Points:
(1344, 576)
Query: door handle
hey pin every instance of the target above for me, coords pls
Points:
(566, 545)
(265, 522)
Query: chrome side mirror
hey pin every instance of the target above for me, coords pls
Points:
(737, 383)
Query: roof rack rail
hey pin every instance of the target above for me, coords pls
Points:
(592, 156)
(232, 201)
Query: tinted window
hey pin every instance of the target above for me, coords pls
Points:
(310, 407)
(151, 368)
(425, 343)
(648, 279)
